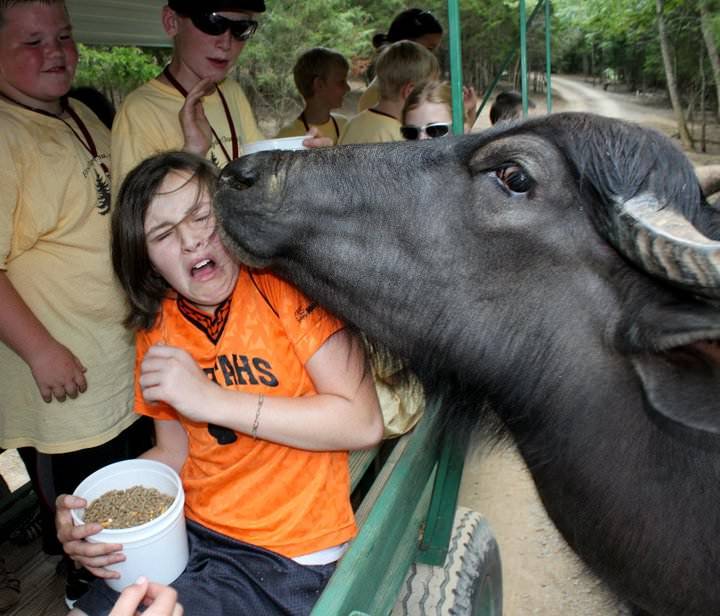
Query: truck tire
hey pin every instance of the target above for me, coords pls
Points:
(468, 584)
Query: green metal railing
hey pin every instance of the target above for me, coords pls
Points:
(456, 60)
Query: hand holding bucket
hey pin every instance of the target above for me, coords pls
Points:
(158, 549)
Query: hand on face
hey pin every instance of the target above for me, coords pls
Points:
(169, 374)
(195, 125)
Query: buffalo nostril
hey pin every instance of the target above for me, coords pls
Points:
(240, 174)
(235, 181)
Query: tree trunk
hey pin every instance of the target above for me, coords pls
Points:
(712, 50)
(670, 76)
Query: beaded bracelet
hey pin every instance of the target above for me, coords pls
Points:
(256, 423)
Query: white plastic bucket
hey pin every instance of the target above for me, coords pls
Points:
(157, 549)
(283, 143)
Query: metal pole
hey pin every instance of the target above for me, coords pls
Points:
(548, 58)
(506, 63)
(523, 59)
(456, 67)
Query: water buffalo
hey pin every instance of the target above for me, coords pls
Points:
(567, 271)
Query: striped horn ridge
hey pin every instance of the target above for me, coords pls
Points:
(665, 244)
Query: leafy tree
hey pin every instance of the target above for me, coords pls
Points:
(670, 74)
(115, 71)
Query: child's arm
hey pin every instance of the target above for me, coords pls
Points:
(345, 413)
(171, 444)
(56, 370)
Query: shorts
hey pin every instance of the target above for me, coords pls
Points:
(226, 577)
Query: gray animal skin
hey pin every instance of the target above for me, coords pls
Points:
(565, 270)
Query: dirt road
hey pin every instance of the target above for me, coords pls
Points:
(541, 574)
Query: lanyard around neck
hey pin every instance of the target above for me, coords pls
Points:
(88, 143)
(335, 124)
(233, 135)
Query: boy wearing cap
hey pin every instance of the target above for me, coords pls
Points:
(216, 118)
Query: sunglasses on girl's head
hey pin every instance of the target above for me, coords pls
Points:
(214, 25)
(436, 129)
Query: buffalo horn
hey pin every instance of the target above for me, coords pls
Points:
(664, 243)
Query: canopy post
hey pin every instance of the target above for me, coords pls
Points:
(548, 58)
(523, 59)
(456, 79)
(506, 63)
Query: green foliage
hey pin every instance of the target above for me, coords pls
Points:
(116, 70)
(616, 38)
(622, 35)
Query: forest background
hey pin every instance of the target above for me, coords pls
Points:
(665, 46)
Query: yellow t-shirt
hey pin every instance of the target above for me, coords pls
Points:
(147, 123)
(370, 97)
(331, 129)
(291, 501)
(371, 126)
(55, 250)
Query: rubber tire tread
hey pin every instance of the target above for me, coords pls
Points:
(472, 562)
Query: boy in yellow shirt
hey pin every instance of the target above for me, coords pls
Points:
(207, 39)
(321, 78)
(65, 358)
(401, 67)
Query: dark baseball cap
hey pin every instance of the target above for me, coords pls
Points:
(189, 7)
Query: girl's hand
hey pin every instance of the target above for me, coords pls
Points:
(93, 556)
(169, 374)
(58, 373)
(160, 600)
(195, 125)
(313, 140)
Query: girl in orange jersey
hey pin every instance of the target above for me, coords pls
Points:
(256, 392)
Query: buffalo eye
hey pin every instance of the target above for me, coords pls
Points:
(514, 178)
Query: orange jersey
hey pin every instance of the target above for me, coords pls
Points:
(287, 500)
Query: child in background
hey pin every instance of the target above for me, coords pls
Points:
(400, 68)
(321, 78)
(508, 107)
(254, 406)
(427, 113)
(65, 358)
(416, 25)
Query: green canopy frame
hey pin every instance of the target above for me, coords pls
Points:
(456, 80)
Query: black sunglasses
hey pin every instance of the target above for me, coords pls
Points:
(214, 25)
(436, 129)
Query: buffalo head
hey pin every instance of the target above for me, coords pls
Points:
(567, 270)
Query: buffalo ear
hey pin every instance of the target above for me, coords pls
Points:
(675, 352)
